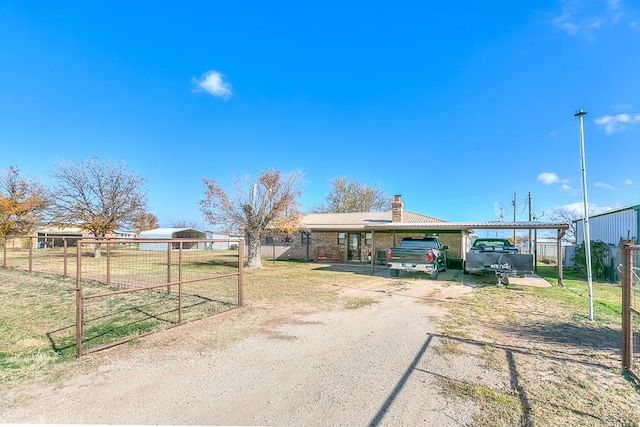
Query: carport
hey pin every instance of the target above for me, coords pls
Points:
(432, 227)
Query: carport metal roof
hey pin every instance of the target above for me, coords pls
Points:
(486, 225)
(492, 225)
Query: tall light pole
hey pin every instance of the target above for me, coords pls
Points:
(585, 229)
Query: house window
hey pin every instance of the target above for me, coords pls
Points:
(368, 238)
(304, 238)
(269, 239)
(341, 238)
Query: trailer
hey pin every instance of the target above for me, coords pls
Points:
(497, 257)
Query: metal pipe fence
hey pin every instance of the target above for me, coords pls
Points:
(630, 280)
(129, 288)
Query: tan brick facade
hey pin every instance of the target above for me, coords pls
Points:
(299, 249)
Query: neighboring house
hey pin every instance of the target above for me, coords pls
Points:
(171, 233)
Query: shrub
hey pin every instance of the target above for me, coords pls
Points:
(600, 254)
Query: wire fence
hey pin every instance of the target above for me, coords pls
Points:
(128, 288)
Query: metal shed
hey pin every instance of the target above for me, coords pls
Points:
(613, 226)
(171, 233)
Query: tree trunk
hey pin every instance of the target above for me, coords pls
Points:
(254, 260)
(97, 249)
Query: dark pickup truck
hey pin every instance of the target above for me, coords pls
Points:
(424, 254)
(499, 257)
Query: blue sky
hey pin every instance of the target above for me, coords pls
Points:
(454, 105)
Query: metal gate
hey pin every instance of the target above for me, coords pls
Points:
(631, 310)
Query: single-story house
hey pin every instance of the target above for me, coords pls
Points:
(354, 236)
(171, 233)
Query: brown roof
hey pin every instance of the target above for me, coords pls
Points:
(361, 220)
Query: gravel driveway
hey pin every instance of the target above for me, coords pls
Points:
(374, 365)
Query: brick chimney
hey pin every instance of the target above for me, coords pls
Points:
(396, 209)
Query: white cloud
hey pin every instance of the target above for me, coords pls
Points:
(628, 181)
(603, 185)
(621, 106)
(213, 83)
(553, 133)
(617, 123)
(586, 17)
(548, 178)
(578, 208)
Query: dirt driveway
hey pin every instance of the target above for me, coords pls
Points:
(374, 365)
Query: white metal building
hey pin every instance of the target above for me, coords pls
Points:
(170, 233)
(613, 226)
(223, 236)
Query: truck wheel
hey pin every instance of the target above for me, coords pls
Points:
(434, 276)
(394, 273)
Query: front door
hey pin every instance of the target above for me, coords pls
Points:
(353, 252)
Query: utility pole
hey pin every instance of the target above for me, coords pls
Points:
(514, 217)
(530, 216)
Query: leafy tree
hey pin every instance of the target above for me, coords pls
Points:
(351, 196)
(272, 200)
(22, 203)
(98, 197)
(144, 221)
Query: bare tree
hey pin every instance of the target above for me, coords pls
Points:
(22, 202)
(98, 197)
(351, 196)
(567, 216)
(185, 224)
(272, 200)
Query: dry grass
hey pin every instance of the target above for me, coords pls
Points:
(37, 323)
(559, 368)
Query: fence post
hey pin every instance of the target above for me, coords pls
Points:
(4, 251)
(79, 300)
(108, 261)
(64, 256)
(627, 289)
(168, 266)
(180, 283)
(30, 254)
(240, 272)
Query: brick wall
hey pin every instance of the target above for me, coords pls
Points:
(381, 241)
